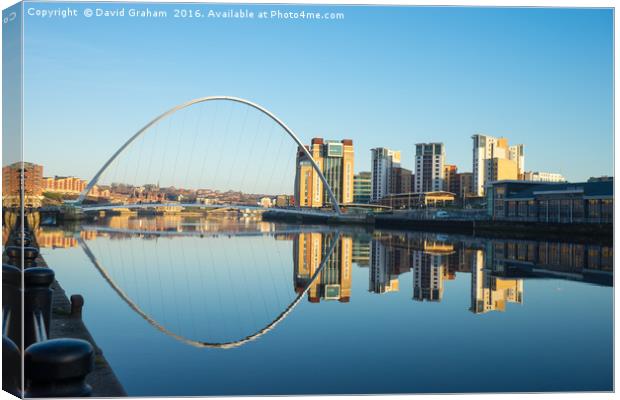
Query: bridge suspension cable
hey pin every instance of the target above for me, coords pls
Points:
(174, 145)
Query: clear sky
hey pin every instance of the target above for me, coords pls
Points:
(383, 76)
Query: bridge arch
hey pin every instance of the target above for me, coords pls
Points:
(173, 110)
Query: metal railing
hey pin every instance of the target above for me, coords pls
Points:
(52, 367)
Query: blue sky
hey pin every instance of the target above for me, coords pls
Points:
(383, 76)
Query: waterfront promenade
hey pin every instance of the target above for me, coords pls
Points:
(62, 358)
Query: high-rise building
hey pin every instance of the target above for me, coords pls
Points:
(499, 169)
(429, 167)
(516, 154)
(383, 161)
(451, 182)
(543, 177)
(32, 184)
(400, 181)
(485, 149)
(362, 187)
(336, 161)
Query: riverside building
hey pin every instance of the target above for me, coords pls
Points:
(494, 159)
(383, 161)
(429, 167)
(362, 187)
(543, 177)
(336, 161)
(584, 202)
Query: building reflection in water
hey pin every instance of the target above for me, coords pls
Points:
(489, 292)
(334, 282)
(430, 269)
(382, 276)
(496, 267)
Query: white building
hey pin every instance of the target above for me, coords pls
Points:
(485, 149)
(266, 202)
(429, 167)
(543, 177)
(383, 160)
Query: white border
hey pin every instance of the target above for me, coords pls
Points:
(479, 3)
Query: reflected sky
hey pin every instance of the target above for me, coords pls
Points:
(368, 312)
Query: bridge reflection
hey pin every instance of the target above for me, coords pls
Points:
(323, 261)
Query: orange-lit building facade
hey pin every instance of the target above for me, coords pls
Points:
(63, 184)
(336, 161)
(33, 181)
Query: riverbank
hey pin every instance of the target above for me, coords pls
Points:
(482, 228)
(66, 322)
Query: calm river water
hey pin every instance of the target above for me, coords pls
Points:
(193, 306)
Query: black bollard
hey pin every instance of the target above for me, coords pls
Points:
(12, 301)
(37, 300)
(11, 367)
(58, 368)
(77, 302)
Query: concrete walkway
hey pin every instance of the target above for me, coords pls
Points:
(64, 325)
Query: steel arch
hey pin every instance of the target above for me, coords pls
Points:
(173, 110)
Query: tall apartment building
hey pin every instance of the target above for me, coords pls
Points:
(336, 161)
(451, 182)
(362, 187)
(499, 169)
(484, 169)
(383, 161)
(400, 181)
(429, 167)
(543, 177)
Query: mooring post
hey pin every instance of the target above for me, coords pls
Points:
(11, 367)
(58, 368)
(12, 302)
(77, 303)
(37, 301)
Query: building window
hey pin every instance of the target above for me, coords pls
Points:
(593, 209)
(607, 210)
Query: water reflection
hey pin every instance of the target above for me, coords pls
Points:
(334, 282)
(161, 286)
(497, 267)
